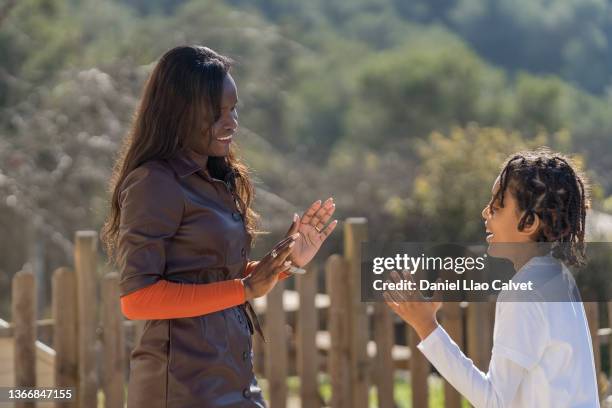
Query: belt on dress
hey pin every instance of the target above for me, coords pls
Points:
(253, 320)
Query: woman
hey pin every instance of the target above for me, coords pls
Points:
(180, 229)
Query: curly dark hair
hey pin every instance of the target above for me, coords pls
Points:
(549, 185)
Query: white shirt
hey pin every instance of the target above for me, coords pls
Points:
(542, 353)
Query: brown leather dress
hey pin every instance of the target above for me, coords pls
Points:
(179, 224)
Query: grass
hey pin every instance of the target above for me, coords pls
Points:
(402, 392)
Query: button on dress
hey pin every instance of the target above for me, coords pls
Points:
(179, 224)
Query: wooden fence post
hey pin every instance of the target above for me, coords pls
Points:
(339, 369)
(85, 263)
(592, 313)
(113, 343)
(24, 332)
(453, 323)
(609, 306)
(384, 336)
(419, 371)
(355, 232)
(307, 326)
(64, 311)
(276, 347)
(480, 334)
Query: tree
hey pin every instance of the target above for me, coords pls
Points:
(456, 176)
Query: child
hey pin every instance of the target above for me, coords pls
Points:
(542, 354)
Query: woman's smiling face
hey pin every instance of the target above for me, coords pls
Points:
(226, 125)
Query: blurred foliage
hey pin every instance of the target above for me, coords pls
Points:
(403, 111)
(570, 38)
(457, 175)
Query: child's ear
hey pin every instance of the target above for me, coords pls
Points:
(532, 225)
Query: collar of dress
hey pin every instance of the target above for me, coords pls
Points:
(186, 162)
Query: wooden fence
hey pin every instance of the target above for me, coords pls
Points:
(309, 333)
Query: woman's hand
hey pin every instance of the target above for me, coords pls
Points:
(312, 230)
(265, 274)
(412, 307)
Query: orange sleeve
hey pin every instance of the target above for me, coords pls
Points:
(173, 300)
(251, 265)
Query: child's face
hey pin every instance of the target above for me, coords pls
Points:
(501, 223)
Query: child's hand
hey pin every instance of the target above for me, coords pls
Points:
(413, 308)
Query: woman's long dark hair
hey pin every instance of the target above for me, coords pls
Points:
(180, 103)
